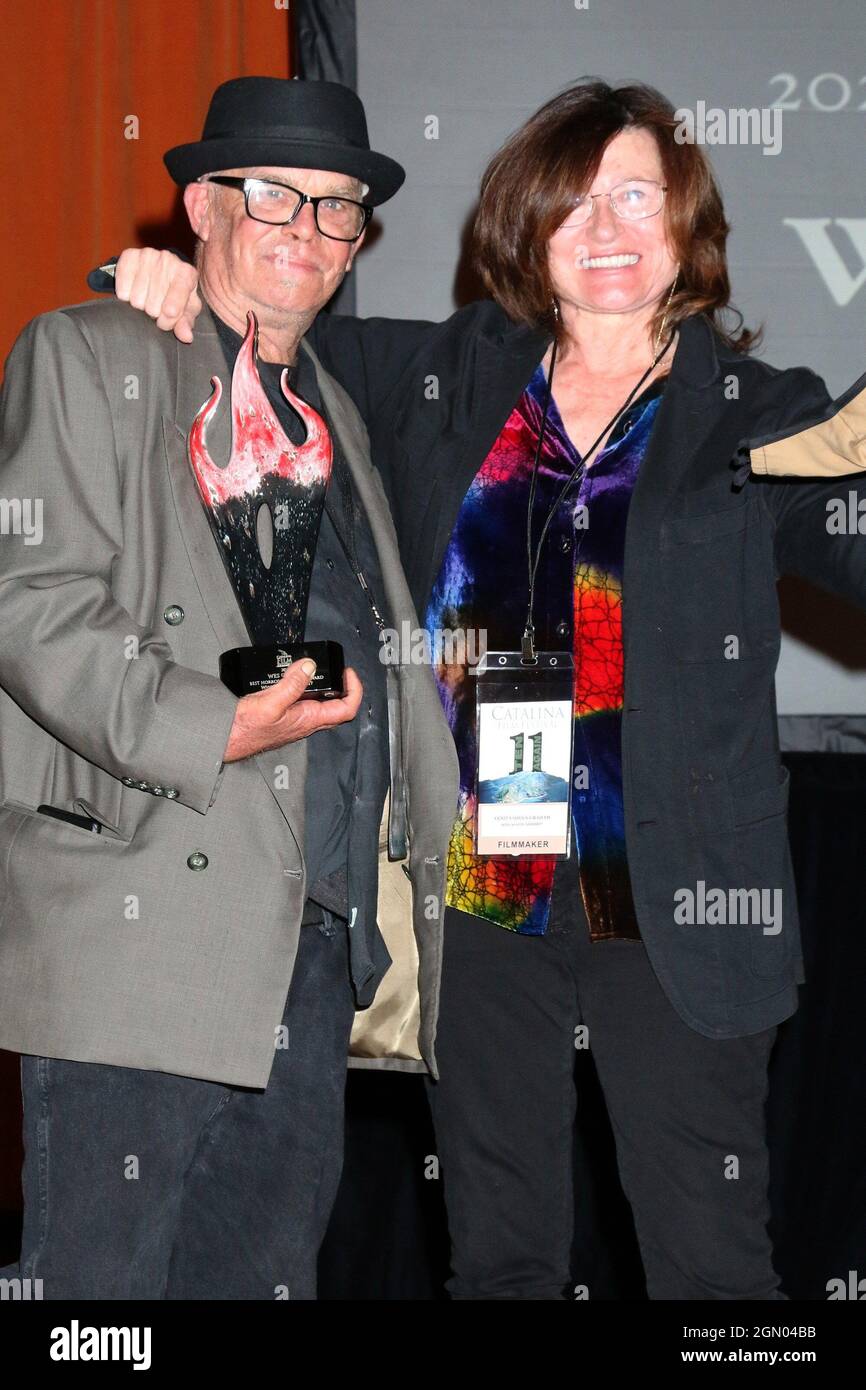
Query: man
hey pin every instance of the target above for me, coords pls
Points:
(189, 878)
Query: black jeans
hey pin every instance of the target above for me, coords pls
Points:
(687, 1113)
(143, 1184)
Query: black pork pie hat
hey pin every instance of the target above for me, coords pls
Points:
(256, 121)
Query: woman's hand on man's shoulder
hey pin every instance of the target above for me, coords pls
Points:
(160, 284)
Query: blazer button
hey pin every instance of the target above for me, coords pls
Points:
(174, 614)
(562, 629)
(128, 781)
(144, 786)
(171, 793)
(197, 860)
(566, 543)
(158, 791)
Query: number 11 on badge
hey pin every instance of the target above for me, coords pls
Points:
(524, 732)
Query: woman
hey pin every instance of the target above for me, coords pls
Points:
(601, 391)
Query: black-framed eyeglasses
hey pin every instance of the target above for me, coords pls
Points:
(266, 200)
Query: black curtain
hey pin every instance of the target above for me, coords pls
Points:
(326, 50)
(326, 41)
(817, 1109)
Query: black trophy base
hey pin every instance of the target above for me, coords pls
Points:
(248, 669)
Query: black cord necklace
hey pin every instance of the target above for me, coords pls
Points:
(527, 645)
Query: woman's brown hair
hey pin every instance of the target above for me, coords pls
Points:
(529, 188)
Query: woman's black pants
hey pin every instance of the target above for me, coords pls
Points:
(687, 1114)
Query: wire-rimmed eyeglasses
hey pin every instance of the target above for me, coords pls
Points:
(632, 200)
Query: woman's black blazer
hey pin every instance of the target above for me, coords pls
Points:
(705, 792)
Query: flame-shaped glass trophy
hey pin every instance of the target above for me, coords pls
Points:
(266, 470)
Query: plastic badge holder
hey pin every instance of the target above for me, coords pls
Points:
(524, 738)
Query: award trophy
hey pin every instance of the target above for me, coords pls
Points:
(266, 470)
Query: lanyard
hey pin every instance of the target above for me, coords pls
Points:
(527, 645)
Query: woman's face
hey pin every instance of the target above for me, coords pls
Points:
(581, 260)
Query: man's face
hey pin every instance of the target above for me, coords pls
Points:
(277, 270)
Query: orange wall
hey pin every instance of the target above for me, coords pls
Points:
(74, 188)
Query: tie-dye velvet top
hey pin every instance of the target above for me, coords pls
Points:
(481, 589)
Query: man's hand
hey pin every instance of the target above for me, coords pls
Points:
(278, 715)
(161, 284)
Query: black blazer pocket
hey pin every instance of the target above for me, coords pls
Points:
(705, 527)
(759, 807)
(719, 586)
(760, 793)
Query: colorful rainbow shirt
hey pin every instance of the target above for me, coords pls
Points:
(480, 594)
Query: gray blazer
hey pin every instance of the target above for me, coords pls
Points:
(124, 947)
